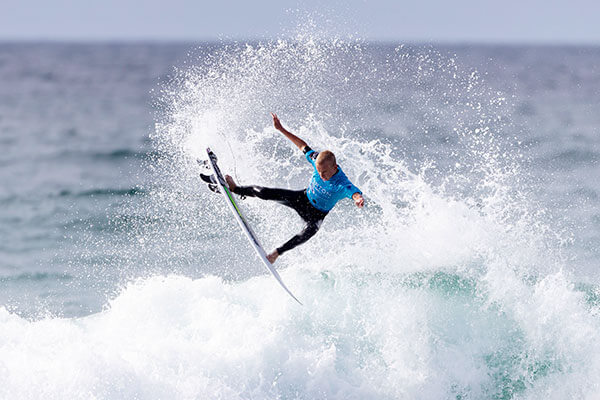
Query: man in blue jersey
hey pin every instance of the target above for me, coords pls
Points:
(327, 186)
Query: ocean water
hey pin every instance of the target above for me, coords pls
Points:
(472, 272)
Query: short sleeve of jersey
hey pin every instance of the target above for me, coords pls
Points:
(350, 189)
(310, 155)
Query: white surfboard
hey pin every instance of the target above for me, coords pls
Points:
(222, 185)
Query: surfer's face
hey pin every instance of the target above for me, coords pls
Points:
(326, 170)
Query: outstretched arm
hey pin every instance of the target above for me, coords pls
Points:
(301, 144)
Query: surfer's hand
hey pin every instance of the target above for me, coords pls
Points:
(358, 200)
(276, 122)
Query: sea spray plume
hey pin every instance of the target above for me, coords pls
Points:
(229, 96)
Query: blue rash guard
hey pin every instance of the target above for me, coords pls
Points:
(323, 195)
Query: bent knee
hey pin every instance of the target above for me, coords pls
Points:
(312, 228)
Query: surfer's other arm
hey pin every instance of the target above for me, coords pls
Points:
(301, 144)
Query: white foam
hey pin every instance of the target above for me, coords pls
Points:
(358, 336)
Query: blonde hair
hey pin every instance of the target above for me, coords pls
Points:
(326, 157)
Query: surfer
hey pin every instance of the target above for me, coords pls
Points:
(327, 186)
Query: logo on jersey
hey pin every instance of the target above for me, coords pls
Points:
(315, 188)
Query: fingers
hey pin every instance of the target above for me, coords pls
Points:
(276, 122)
(275, 118)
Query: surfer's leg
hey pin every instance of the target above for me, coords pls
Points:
(309, 231)
(284, 196)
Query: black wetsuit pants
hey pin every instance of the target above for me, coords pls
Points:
(295, 199)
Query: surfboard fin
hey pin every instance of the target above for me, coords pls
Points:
(208, 178)
(203, 163)
(211, 182)
(213, 188)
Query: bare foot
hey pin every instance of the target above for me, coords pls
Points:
(230, 182)
(273, 256)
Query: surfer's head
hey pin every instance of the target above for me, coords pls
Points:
(326, 165)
